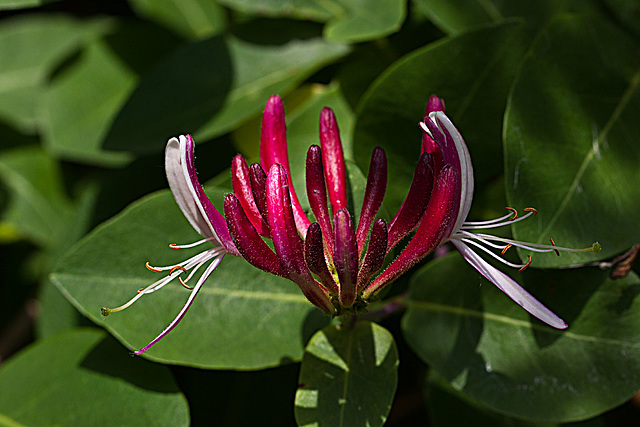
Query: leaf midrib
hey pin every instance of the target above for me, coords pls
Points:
(211, 290)
(615, 115)
(465, 312)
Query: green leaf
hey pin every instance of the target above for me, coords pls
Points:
(471, 72)
(35, 43)
(488, 347)
(348, 376)
(571, 140)
(457, 16)
(448, 407)
(39, 208)
(360, 20)
(348, 21)
(242, 318)
(85, 95)
(194, 19)
(22, 4)
(627, 11)
(84, 378)
(301, 9)
(220, 82)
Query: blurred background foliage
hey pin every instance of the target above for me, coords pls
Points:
(545, 93)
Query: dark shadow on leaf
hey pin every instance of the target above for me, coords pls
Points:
(109, 358)
(178, 96)
(314, 321)
(565, 292)
(276, 31)
(141, 45)
(359, 394)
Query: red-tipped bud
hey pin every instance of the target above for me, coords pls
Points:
(314, 257)
(373, 194)
(416, 202)
(273, 150)
(246, 238)
(374, 257)
(345, 256)
(317, 192)
(242, 188)
(434, 228)
(335, 171)
(259, 189)
(287, 242)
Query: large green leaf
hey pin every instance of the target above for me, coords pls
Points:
(82, 377)
(491, 349)
(195, 19)
(39, 208)
(571, 146)
(34, 44)
(348, 376)
(456, 16)
(471, 72)
(219, 83)
(84, 97)
(628, 11)
(447, 407)
(348, 21)
(242, 318)
(22, 4)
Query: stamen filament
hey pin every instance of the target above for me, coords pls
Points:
(184, 309)
(191, 245)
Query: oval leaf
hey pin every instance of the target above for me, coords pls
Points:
(35, 43)
(456, 16)
(348, 377)
(83, 377)
(486, 346)
(242, 318)
(471, 72)
(571, 140)
(195, 19)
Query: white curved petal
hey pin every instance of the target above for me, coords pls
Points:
(510, 287)
(183, 190)
(441, 119)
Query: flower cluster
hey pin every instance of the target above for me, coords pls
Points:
(337, 261)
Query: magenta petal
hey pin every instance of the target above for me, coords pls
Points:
(317, 193)
(315, 259)
(241, 182)
(345, 256)
(247, 239)
(510, 287)
(373, 194)
(434, 104)
(287, 242)
(415, 203)
(376, 251)
(194, 203)
(273, 150)
(335, 171)
(435, 226)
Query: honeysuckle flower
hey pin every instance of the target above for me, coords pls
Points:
(336, 260)
(205, 219)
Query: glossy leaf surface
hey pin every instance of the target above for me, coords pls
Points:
(571, 140)
(82, 376)
(348, 376)
(488, 347)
